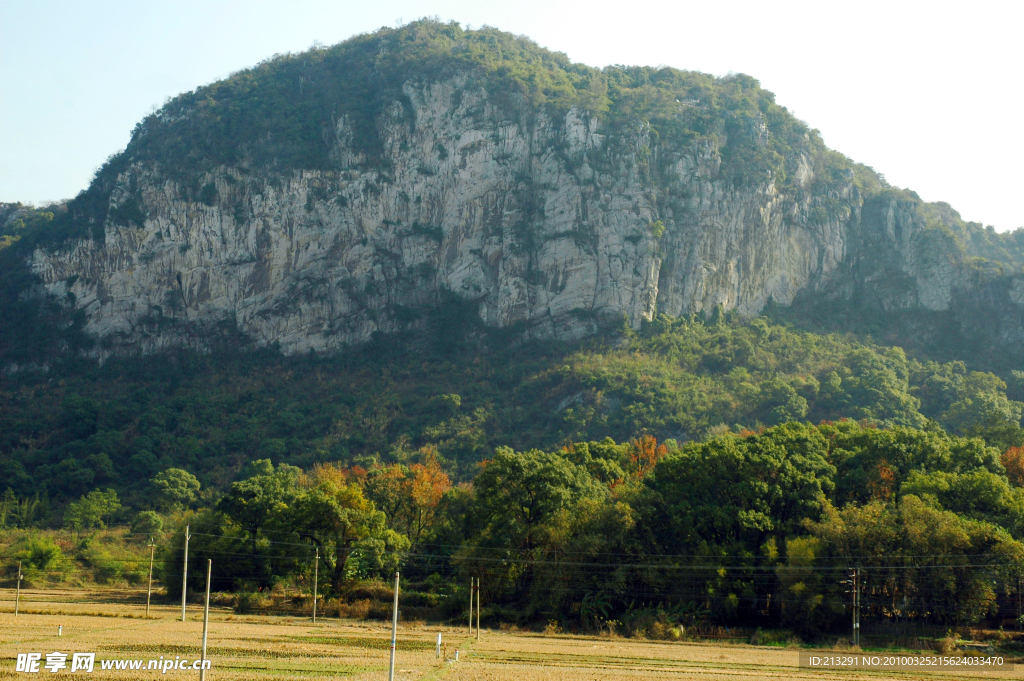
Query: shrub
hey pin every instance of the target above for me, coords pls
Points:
(946, 645)
(248, 602)
(40, 554)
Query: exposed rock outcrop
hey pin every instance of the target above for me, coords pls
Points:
(548, 226)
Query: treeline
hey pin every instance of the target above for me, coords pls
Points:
(274, 116)
(749, 528)
(119, 424)
(752, 528)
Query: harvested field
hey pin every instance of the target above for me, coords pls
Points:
(520, 657)
(239, 647)
(284, 648)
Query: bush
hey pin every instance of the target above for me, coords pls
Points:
(249, 602)
(946, 645)
(111, 563)
(773, 637)
(371, 590)
(41, 558)
(359, 609)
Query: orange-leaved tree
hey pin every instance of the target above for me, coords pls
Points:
(387, 487)
(644, 455)
(882, 482)
(410, 495)
(427, 484)
(1013, 461)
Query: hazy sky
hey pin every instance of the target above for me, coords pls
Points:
(927, 93)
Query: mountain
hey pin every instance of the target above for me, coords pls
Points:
(428, 257)
(318, 199)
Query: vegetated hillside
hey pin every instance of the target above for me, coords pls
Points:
(600, 473)
(321, 198)
(329, 289)
(86, 426)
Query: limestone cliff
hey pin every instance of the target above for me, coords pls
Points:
(549, 224)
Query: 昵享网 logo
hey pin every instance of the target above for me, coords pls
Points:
(34, 663)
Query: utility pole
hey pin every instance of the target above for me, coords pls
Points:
(472, 581)
(853, 580)
(149, 589)
(17, 597)
(206, 620)
(477, 608)
(316, 575)
(394, 633)
(856, 596)
(184, 574)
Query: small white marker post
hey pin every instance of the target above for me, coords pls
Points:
(206, 621)
(60, 629)
(149, 589)
(394, 633)
(438, 653)
(316, 574)
(17, 597)
(184, 575)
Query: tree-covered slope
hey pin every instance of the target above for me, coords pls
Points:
(680, 380)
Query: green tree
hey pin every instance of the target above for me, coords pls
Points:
(863, 455)
(39, 555)
(978, 494)
(334, 511)
(258, 503)
(91, 510)
(806, 601)
(982, 402)
(7, 506)
(518, 492)
(146, 525)
(922, 559)
(175, 488)
(877, 387)
(744, 489)
(527, 505)
(781, 402)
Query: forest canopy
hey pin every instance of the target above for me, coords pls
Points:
(682, 380)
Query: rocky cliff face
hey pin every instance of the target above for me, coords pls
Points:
(546, 226)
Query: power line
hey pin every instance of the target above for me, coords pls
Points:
(455, 547)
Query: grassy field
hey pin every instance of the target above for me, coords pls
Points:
(252, 647)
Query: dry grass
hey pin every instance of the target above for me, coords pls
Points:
(261, 647)
(240, 646)
(525, 657)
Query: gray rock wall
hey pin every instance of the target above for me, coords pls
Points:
(548, 226)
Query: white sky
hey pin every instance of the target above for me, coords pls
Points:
(927, 93)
